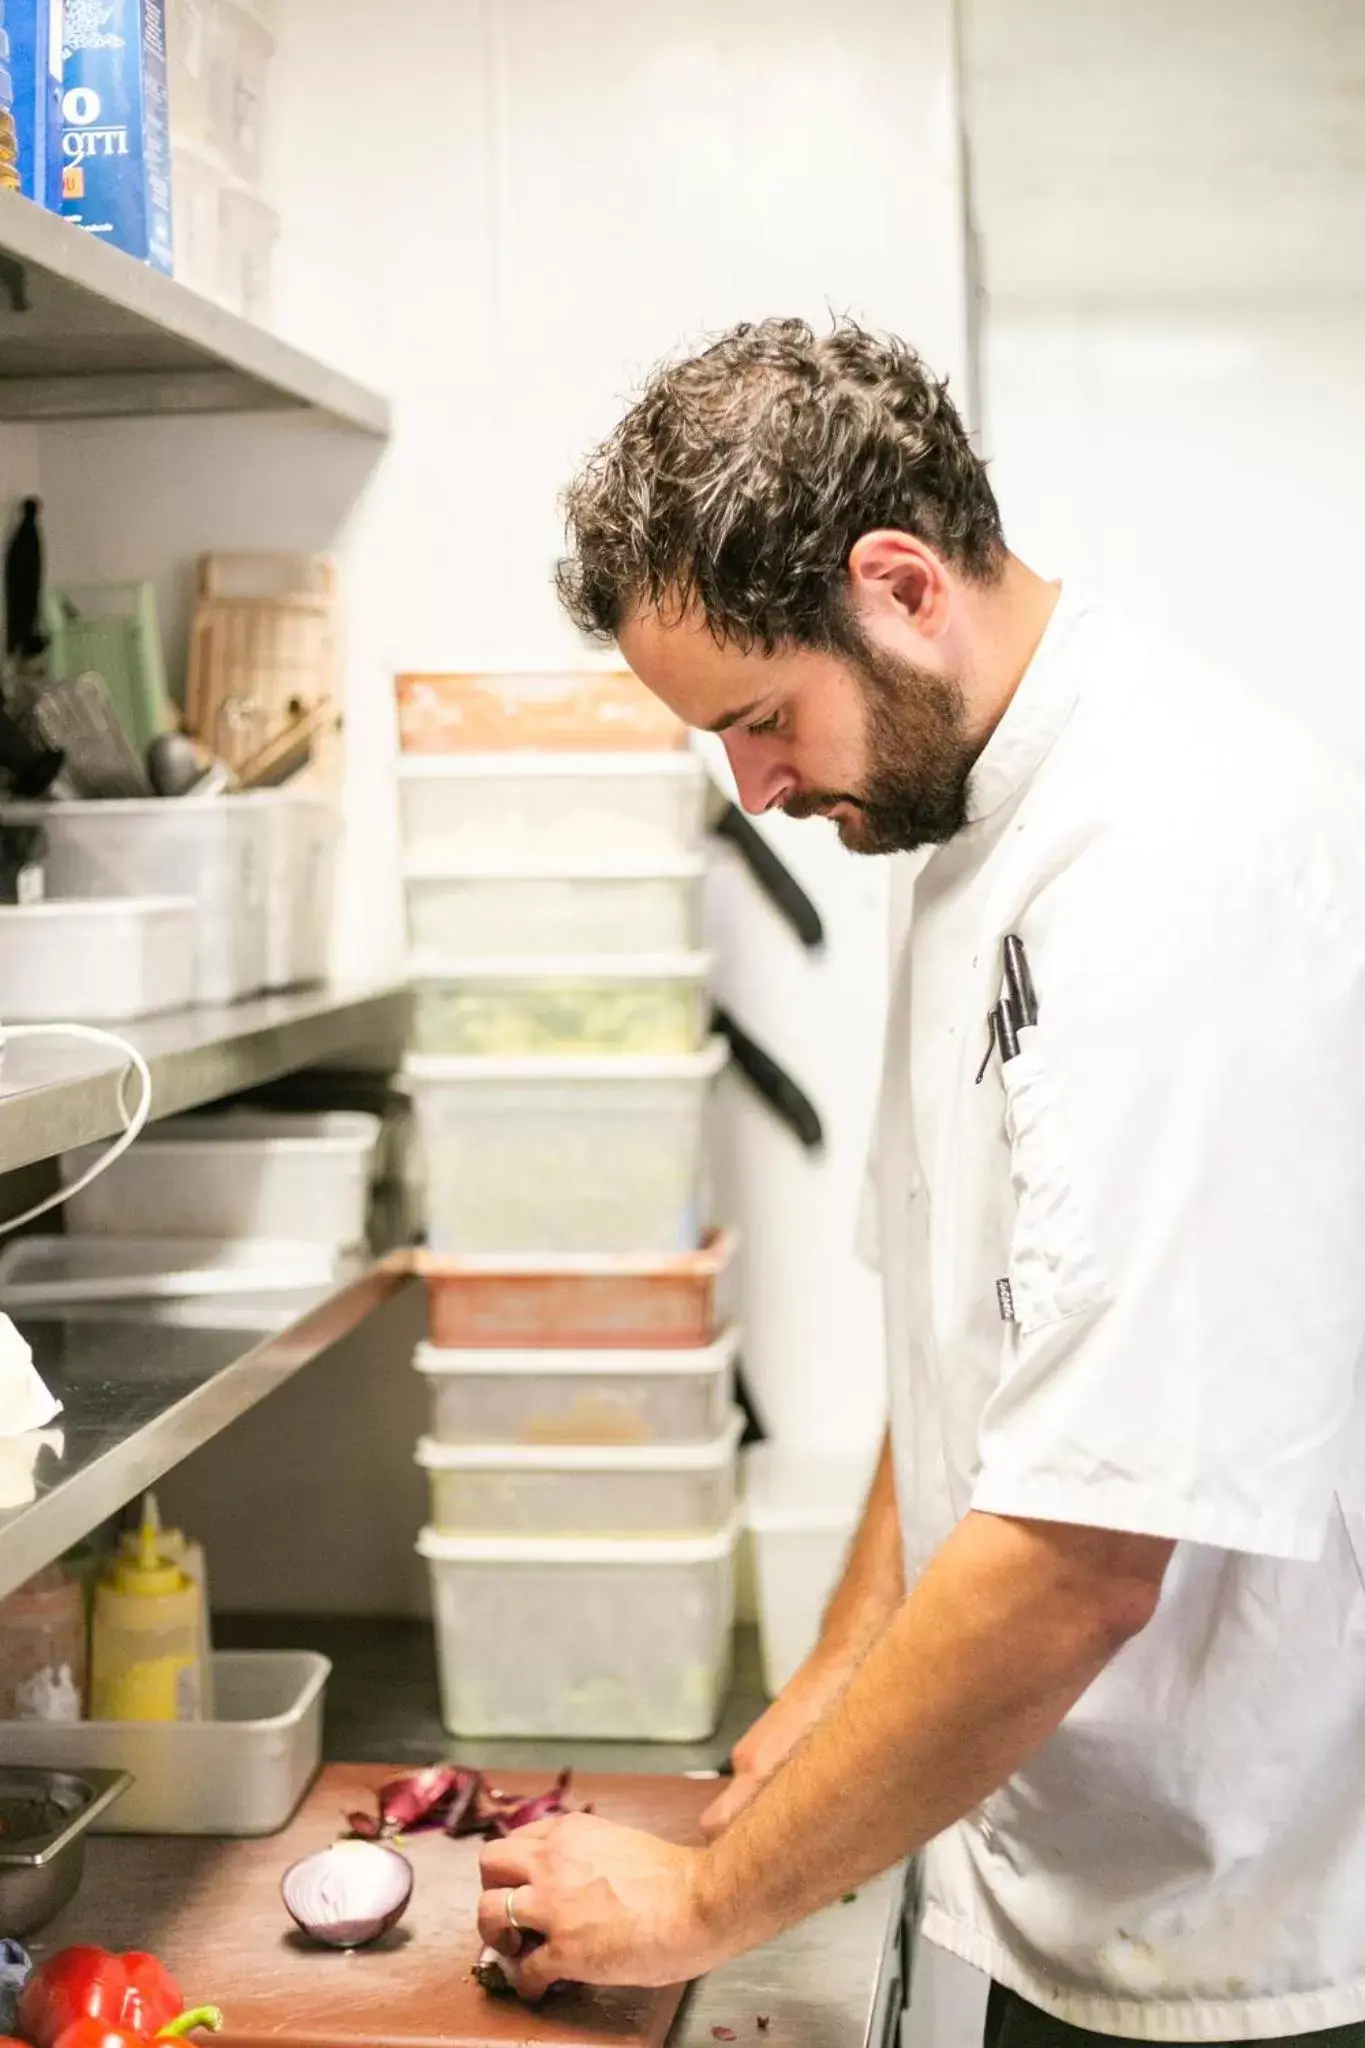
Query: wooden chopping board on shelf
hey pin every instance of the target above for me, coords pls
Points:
(212, 1911)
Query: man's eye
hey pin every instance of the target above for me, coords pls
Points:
(765, 725)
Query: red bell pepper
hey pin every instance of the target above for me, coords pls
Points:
(93, 2033)
(130, 1994)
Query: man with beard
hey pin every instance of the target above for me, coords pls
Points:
(1100, 1647)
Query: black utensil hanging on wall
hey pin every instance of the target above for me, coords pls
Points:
(24, 637)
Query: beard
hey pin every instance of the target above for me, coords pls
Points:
(922, 757)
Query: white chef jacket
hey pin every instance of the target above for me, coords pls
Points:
(1170, 1176)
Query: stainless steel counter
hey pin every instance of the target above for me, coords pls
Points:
(55, 1095)
(833, 1982)
(140, 1392)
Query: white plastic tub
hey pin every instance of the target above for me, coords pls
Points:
(802, 1511)
(64, 1272)
(612, 1004)
(555, 907)
(107, 960)
(302, 833)
(243, 1773)
(541, 1155)
(608, 1640)
(197, 188)
(582, 1489)
(579, 1397)
(238, 1174)
(213, 851)
(644, 805)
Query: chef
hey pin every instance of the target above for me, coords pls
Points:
(1099, 1652)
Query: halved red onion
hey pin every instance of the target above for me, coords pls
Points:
(350, 1894)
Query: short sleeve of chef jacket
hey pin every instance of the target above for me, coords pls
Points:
(1202, 1040)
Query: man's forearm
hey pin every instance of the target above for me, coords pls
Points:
(873, 1584)
(1010, 1624)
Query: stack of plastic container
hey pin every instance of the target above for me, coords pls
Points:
(582, 1450)
(219, 56)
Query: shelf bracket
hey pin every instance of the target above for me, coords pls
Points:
(14, 283)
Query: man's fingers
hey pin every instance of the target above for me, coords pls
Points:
(512, 1860)
(537, 1972)
(495, 1924)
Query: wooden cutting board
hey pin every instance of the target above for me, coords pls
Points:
(212, 1912)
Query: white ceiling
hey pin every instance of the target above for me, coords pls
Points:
(1128, 149)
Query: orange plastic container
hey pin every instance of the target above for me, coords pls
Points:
(588, 712)
(594, 1302)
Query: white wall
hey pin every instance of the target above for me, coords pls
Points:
(502, 216)
(1171, 213)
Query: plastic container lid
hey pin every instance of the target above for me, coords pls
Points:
(249, 1130)
(475, 1069)
(709, 1259)
(643, 766)
(55, 909)
(704, 1457)
(536, 866)
(701, 1359)
(438, 1548)
(37, 1272)
(429, 968)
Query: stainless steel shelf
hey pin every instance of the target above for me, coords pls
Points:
(55, 1095)
(140, 1392)
(87, 333)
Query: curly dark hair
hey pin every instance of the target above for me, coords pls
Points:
(741, 478)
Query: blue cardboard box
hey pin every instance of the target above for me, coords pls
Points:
(35, 64)
(116, 145)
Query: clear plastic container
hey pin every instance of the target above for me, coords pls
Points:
(540, 1155)
(642, 805)
(582, 1489)
(580, 1397)
(575, 1637)
(63, 1272)
(242, 1173)
(106, 959)
(585, 711)
(197, 188)
(593, 1301)
(616, 1004)
(302, 838)
(242, 1773)
(240, 51)
(43, 1652)
(548, 908)
(802, 1510)
(189, 57)
(250, 230)
(149, 846)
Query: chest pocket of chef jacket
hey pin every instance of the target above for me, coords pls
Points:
(1054, 1269)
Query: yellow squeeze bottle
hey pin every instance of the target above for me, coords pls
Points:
(174, 1547)
(145, 1636)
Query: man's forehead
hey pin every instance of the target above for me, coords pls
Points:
(704, 680)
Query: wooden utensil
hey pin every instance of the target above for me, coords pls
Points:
(212, 1911)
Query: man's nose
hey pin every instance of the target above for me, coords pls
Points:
(761, 779)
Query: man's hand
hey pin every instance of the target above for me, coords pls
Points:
(614, 1907)
(773, 1737)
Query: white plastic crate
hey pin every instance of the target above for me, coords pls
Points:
(301, 843)
(643, 805)
(243, 1773)
(566, 1637)
(555, 907)
(582, 1489)
(579, 1397)
(242, 1173)
(802, 1511)
(214, 852)
(197, 188)
(108, 959)
(611, 1004)
(562, 1155)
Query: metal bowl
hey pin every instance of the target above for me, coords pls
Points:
(44, 1816)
